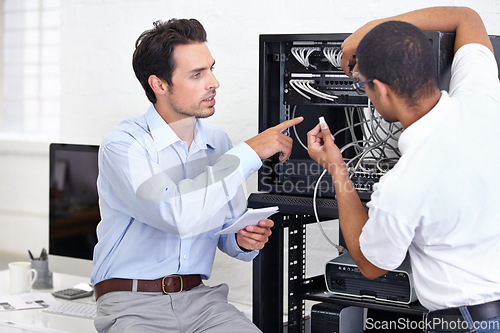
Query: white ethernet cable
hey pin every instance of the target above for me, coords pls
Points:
(339, 247)
(321, 120)
(302, 86)
(294, 85)
(375, 139)
(302, 54)
(319, 93)
(333, 55)
(295, 130)
(371, 141)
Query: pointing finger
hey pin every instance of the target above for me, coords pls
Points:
(289, 123)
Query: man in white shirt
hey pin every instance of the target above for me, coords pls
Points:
(438, 202)
(168, 182)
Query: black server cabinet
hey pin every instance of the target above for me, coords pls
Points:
(290, 65)
(283, 183)
(278, 101)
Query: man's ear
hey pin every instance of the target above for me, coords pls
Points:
(382, 90)
(159, 86)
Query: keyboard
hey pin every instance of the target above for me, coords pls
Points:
(74, 309)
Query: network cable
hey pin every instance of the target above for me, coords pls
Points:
(377, 145)
(295, 130)
(302, 55)
(339, 247)
(302, 86)
(333, 55)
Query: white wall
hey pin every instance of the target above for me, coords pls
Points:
(99, 89)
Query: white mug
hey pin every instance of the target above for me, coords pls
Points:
(22, 277)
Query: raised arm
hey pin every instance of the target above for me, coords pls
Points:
(465, 22)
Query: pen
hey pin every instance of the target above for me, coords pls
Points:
(43, 255)
(31, 255)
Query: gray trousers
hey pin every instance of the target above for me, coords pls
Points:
(201, 309)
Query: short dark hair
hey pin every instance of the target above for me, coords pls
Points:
(154, 49)
(399, 55)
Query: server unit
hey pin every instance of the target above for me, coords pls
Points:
(343, 278)
(334, 318)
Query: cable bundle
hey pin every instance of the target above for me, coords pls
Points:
(333, 55)
(303, 86)
(302, 54)
(378, 144)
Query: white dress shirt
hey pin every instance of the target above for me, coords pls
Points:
(440, 201)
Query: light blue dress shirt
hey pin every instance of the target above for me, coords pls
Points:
(162, 203)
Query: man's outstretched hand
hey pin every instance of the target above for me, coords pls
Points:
(273, 141)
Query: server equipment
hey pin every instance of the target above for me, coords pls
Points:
(334, 318)
(300, 75)
(343, 278)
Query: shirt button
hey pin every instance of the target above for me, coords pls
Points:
(185, 256)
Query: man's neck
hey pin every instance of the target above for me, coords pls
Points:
(409, 115)
(184, 128)
(182, 125)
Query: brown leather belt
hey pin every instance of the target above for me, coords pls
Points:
(168, 284)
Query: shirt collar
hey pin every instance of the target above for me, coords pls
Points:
(163, 135)
(423, 127)
(200, 137)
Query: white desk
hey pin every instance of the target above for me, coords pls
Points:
(35, 320)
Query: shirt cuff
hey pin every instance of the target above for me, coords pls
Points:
(250, 161)
(239, 253)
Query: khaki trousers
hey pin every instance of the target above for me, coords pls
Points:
(201, 309)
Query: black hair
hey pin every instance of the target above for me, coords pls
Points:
(399, 55)
(154, 49)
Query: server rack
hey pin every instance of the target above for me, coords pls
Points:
(288, 185)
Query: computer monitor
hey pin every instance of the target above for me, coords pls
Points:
(74, 210)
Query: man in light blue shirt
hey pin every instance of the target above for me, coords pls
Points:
(168, 181)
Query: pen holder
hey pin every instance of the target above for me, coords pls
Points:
(44, 278)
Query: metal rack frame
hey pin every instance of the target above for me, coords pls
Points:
(268, 268)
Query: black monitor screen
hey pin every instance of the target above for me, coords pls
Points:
(74, 211)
